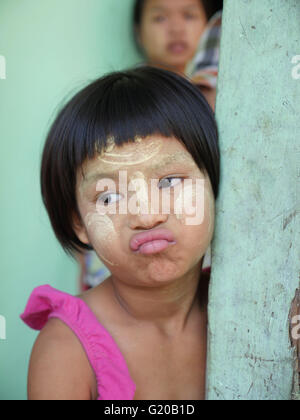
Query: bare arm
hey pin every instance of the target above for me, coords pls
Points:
(59, 368)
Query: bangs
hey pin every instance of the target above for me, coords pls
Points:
(133, 104)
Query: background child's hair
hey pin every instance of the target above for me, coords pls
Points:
(139, 102)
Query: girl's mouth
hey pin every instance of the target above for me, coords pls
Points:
(177, 47)
(152, 242)
(154, 247)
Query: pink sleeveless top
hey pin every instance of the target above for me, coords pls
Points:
(112, 374)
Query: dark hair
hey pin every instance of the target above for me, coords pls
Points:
(138, 102)
(210, 6)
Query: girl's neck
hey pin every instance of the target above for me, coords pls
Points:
(180, 70)
(166, 309)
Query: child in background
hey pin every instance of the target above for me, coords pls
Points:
(168, 31)
(92, 270)
(183, 36)
(142, 333)
(203, 69)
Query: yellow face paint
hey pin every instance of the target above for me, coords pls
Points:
(138, 139)
(103, 229)
(110, 144)
(138, 184)
(140, 154)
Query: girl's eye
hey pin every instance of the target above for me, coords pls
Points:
(105, 199)
(167, 184)
(159, 19)
(190, 17)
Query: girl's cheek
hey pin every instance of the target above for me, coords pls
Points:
(189, 202)
(194, 206)
(103, 234)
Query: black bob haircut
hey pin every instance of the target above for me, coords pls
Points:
(138, 102)
(210, 6)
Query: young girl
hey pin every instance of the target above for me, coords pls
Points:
(169, 32)
(142, 333)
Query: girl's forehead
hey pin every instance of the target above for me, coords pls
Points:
(171, 3)
(142, 152)
(141, 145)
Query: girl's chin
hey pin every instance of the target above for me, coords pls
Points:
(177, 61)
(160, 272)
(172, 62)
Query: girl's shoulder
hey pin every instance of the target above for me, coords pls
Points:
(73, 321)
(59, 368)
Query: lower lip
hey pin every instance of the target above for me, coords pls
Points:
(154, 247)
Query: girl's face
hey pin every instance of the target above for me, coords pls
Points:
(140, 187)
(170, 31)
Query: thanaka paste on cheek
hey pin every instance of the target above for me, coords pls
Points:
(103, 234)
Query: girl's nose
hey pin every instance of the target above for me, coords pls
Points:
(146, 221)
(177, 26)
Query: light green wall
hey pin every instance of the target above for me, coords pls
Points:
(256, 251)
(52, 48)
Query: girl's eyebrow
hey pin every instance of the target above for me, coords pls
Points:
(95, 176)
(163, 9)
(157, 9)
(178, 157)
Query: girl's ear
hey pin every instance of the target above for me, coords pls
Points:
(80, 230)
